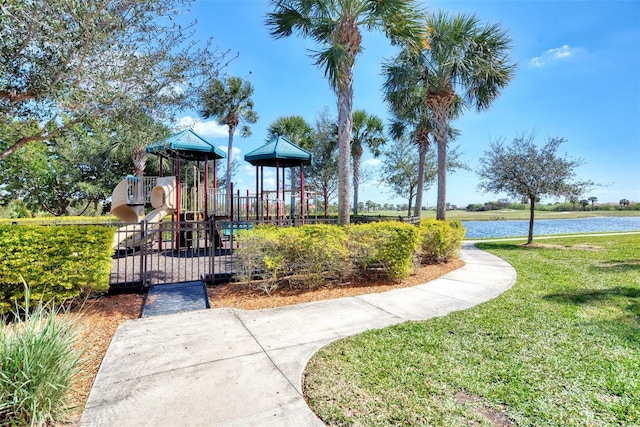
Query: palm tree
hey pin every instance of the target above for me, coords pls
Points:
(336, 25)
(593, 201)
(464, 62)
(412, 119)
(367, 131)
(229, 102)
(294, 128)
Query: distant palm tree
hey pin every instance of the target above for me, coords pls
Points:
(367, 131)
(229, 102)
(462, 61)
(134, 131)
(294, 128)
(593, 201)
(336, 25)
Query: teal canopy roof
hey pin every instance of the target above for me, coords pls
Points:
(281, 152)
(187, 145)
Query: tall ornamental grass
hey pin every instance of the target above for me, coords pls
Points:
(39, 357)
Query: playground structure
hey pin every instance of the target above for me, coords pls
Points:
(180, 231)
(199, 199)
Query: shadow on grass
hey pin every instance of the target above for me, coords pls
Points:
(625, 298)
(619, 266)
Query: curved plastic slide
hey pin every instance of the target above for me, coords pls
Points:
(133, 231)
(163, 200)
(119, 206)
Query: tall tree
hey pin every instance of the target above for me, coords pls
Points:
(324, 170)
(524, 170)
(229, 102)
(368, 132)
(462, 61)
(336, 26)
(64, 62)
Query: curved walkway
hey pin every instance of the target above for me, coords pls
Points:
(228, 367)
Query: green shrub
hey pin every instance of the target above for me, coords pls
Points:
(302, 255)
(39, 357)
(440, 240)
(390, 246)
(58, 262)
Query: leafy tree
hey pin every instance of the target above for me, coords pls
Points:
(72, 168)
(524, 170)
(367, 131)
(229, 102)
(324, 170)
(131, 133)
(593, 201)
(336, 26)
(400, 170)
(64, 62)
(463, 63)
(584, 203)
(624, 203)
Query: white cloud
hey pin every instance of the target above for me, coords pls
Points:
(552, 55)
(207, 129)
(372, 162)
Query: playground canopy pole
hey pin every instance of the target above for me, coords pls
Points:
(206, 187)
(302, 192)
(278, 192)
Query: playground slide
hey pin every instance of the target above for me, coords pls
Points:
(163, 200)
(134, 230)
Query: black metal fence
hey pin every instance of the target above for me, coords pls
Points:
(147, 254)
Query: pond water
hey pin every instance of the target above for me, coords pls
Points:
(517, 228)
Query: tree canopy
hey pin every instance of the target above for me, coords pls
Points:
(64, 62)
(523, 170)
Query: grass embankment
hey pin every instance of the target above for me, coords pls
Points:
(561, 348)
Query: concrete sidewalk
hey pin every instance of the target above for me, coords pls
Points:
(228, 367)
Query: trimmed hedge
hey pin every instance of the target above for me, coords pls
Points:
(390, 246)
(57, 262)
(440, 240)
(309, 254)
(305, 255)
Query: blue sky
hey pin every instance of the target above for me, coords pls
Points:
(578, 77)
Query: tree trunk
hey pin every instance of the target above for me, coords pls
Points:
(440, 106)
(345, 124)
(325, 194)
(229, 163)
(532, 201)
(356, 179)
(422, 149)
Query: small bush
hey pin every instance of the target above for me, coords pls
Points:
(39, 357)
(390, 246)
(58, 262)
(302, 255)
(440, 240)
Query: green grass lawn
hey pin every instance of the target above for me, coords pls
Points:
(561, 348)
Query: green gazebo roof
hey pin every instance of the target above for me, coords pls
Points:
(281, 152)
(187, 145)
